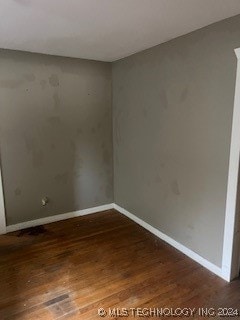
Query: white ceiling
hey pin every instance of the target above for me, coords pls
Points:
(104, 30)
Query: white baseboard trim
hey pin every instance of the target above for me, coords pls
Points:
(58, 217)
(191, 254)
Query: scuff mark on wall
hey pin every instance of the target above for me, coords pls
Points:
(54, 80)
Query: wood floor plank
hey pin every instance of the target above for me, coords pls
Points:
(70, 269)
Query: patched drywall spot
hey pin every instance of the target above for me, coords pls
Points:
(11, 83)
(30, 77)
(175, 187)
(54, 121)
(184, 95)
(56, 101)
(17, 192)
(53, 80)
(62, 178)
(43, 84)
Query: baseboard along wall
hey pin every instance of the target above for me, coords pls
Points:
(188, 252)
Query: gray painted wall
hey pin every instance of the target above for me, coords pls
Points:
(56, 134)
(172, 113)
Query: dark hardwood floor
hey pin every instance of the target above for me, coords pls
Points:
(70, 269)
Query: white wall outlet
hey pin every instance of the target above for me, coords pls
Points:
(45, 201)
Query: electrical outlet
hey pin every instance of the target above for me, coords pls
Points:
(45, 201)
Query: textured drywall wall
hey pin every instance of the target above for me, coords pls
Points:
(172, 114)
(56, 134)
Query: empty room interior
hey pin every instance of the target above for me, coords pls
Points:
(119, 159)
